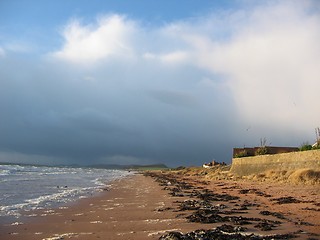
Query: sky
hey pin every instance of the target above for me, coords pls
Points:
(145, 81)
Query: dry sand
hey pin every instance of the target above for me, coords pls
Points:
(138, 208)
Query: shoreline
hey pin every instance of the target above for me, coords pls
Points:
(148, 207)
(127, 211)
(26, 188)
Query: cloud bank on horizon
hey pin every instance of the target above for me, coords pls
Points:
(116, 89)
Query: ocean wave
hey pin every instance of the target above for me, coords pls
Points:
(33, 187)
(45, 201)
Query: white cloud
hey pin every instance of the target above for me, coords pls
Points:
(174, 57)
(268, 54)
(271, 60)
(89, 44)
(272, 64)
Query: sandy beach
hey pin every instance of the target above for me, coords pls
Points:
(148, 207)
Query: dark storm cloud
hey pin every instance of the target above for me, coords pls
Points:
(174, 98)
(51, 111)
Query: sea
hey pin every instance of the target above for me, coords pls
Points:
(24, 188)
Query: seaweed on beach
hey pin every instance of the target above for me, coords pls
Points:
(311, 209)
(178, 189)
(170, 183)
(192, 204)
(275, 214)
(175, 192)
(184, 185)
(265, 226)
(219, 233)
(245, 206)
(240, 220)
(209, 207)
(286, 200)
(254, 191)
(215, 216)
(303, 223)
(208, 195)
(230, 228)
(163, 209)
(206, 216)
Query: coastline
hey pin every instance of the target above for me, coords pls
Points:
(129, 210)
(148, 207)
(25, 188)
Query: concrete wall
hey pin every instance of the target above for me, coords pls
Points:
(284, 161)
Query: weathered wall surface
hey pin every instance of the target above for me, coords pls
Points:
(270, 149)
(284, 161)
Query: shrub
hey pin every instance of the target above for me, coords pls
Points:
(241, 154)
(305, 146)
(261, 150)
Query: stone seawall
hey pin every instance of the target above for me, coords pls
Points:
(283, 161)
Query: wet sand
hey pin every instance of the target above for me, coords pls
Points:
(148, 207)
